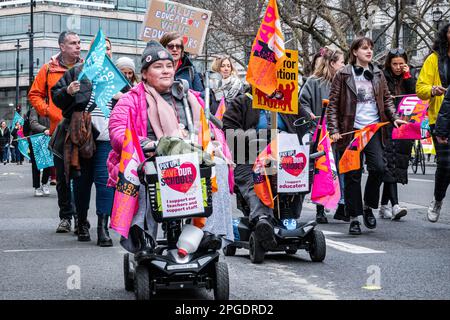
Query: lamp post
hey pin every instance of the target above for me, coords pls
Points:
(18, 46)
(31, 34)
(437, 17)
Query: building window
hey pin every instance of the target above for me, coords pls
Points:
(56, 23)
(123, 34)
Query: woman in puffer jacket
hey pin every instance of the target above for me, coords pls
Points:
(155, 112)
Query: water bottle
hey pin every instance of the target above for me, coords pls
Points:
(189, 240)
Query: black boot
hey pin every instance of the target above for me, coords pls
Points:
(143, 241)
(340, 214)
(83, 230)
(321, 218)
(209, 242)
(103, 239)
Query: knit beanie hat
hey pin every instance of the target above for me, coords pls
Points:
(125, 62)
(154, 52)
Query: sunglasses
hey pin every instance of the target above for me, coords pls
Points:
(397, 51)
(174, 46)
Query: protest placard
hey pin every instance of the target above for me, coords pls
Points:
(413, 110)
(180, 186)
(166, 16)
(285, 98)
(293, 164)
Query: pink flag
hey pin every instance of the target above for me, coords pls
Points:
(325, 189)
(126, 196)
(414, 111)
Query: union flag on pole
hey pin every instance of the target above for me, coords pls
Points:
(351, 158)
(268, 52)
(261, 181)
(126, 196)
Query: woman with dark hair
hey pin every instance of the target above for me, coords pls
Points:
(359, 97)
(184, 69)
(432, 84)
(397, 152)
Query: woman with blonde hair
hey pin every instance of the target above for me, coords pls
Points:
(317, 88)
(230, 85)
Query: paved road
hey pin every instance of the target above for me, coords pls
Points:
(409, 259)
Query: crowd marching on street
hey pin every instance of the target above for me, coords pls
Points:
(87, 136)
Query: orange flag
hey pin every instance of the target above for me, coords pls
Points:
(204, 138)
(268, 53)
(221, 109)
(351, 160)
(260, 179)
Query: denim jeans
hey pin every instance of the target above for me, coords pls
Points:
(94, 170)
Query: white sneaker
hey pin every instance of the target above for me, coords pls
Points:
(45, 189)
(434, 210)
(398, 212)
(38, 192)
(385, 212)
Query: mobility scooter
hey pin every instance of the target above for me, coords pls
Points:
(166, 269)
(290, 234)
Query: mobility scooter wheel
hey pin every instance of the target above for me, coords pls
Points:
(291, 251)
(256, 251)
(127, 276)
(142, 283)
(229, 250)
(221, 283)
(318, 247)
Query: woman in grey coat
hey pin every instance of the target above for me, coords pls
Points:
(317, 88)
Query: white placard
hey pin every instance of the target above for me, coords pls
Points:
(293, 164)
(181, 188)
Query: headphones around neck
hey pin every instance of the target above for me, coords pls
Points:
(361, 71)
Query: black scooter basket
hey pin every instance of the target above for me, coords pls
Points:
(155, 197)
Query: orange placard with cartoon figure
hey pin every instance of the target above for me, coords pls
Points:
(285, 98)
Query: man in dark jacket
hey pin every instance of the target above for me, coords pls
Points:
(5, 137)
(243, 123)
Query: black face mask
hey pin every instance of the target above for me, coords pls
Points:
(360, 71)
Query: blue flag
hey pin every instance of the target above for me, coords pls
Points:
(108, 82)
(18, 118)
(42, 155)
(24, 147)
(95, 57)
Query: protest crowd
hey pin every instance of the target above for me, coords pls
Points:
(348, 102)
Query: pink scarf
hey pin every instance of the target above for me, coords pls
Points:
(162, 116)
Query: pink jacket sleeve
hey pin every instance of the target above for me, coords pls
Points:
(118, 122)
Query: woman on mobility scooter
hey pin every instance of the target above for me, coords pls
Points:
(159, 107)
(262, 231)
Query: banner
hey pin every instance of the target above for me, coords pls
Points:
(268, 52)
(285, 97)
(126, 195)
(17, 118)
(22, 144)
(180, 185)
(95, 57)
(42, 154)
(293, 164)
(351, 160)
(221, 109)
(428, 146)
(414, 111)
(326, 189)
(166, 16)
(261, 181)
(107, 83)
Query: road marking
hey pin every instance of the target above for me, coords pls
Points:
(331, 233)
(350, 248)
(47, 250)
(420, 180)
